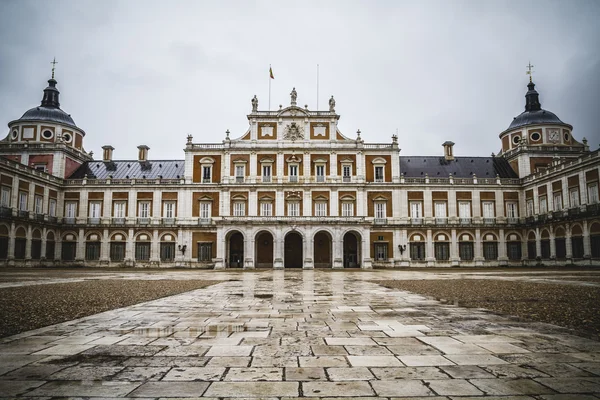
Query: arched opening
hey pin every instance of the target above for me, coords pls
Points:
(50, 246)
(69, 247)
(264, 250)
(20, 243)
(143, 247)
(236, 249)
(117, 247)
(531, 248)
(36, 244)
(3, 242)
(577, 242)
(560, 244)
(293, 257)
(490, 247)
(545, 244)
(322, 250)
(513, 247)
(595, 240)
(352, 241)
(466, 250)
(441, 247)
(167, 248)
(92, 247)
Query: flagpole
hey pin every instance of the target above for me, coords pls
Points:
(317, 87)
(270, 87)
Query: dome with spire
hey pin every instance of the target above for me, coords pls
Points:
(534, 114)
(49, 109)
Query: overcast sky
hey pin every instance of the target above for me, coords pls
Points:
(150, 72)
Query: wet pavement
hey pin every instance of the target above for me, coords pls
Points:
(289, 334)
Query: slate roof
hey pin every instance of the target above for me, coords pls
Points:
(460, 167)
(168, 169)
(48, 114)
(535, 117)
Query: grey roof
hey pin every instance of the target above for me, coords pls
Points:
(41, 113)
(460, 167)
(167, 169)
(535, 117)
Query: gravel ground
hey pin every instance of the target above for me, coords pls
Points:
(34, 306)
(570, 306)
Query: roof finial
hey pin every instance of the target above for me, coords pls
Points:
(53, 66)
(529, 71)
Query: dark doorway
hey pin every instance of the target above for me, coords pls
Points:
(264, 250)
(322, 250)
(351, 250)
(293, 250)
(236, 250)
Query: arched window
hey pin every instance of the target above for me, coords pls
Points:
(417, 247)
(513, 247)
(69, 247)
(92, 247)
(142, 247)
(465, 247)
(442, 247)
(117, 247)
(490, 247)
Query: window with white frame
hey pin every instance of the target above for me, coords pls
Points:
(320, 172)
(512, 210)
(346, 172)
(293, 172)
(543, 204)
(379, 174)
(94, 209)
(206, 173)
(6, 194)
(558, 201)
(240, 170)
(440, 209)
(529, 207)
(293, 209)
(416, 209)
(168, 209)
(239, 209)
(37, 203)
(266, 209)
(205, 209)
(488, 209)
(320, 209)
(52, 207)
(23, 201)
(592, 190)
(347, 209)
(119, 209)
(144, 209)
(380, 210)
(70, 209)
(266, 172)
(574, 196)
(381, 251)
(464, 209)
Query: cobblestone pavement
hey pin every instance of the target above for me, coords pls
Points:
(289, 334)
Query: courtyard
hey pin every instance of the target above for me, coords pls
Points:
(281, 334)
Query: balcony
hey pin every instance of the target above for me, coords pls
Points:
(380, 221)
(93, 221)
(512, 220)
(320, 178)
(23, 214)
(118, 221)
(346, 179)
(5, 212)
(464, 220)
(266, 179)
(489, 220)
(379, 179)
(441, 220)
(206, 221)
(239, 179)
(167, 221)
(205, 180)
(143, 221)
(69, 220)
(293, 179)
(52, 220)
(416, 221)
(39, 217)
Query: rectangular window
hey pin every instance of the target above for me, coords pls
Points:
(70, 209)
(417, 251)
(294, 209)
(94, 211)
(38, 201)
(22, 201)
(52, 207)
(574, 196)
(529, 205)
(92, 251)
(320, 209)
(381, 251)
(416, 209)
(378, 174)
(167, 251)
(464, 209)
(465, 251)
(488, 209)
(144, 209)
(6, 193)
(205, 210)
(142, 251)
(320, 173)
(293, 172)
(513, 249)
(69, 251)
(490, 250)
(239, 173)
(206, 174)
(440, 209)
(266, 209)
(442, 251)
(380, 212)
(347, 209)
(266, 173)
(204, 251)
(512, 210)
(119, 209)
(557, 201)
(346, 172)
(169, 209)
(117, 251)
(593, 193)
(239, 209)
(543, 205)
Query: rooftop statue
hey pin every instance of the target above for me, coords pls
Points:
(332, 104)
(294, 96)
(254, 104)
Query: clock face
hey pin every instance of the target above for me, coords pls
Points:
(553, 135)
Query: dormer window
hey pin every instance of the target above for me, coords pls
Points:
(379, 169)
(206, 165)
(379, 177)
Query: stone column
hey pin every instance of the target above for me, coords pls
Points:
(130, 250)
(454, 255)
(478, 250)
(249, 249)
(568, 246)
(220, 259)
(308, 249)
(502, 257)
(155, 248)
(278, 246)
(80, 251)
(28, 244)
(429, 251)
(587, 246)
(367, 261)
(105, 248)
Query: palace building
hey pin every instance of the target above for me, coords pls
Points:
(293, 191)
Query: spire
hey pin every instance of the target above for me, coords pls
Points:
(532, 100)
(51, 93)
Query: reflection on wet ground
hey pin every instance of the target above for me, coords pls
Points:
(288, 334)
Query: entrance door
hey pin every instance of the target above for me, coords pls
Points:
(351, 250)
(236, 250)
(293, 250)
(264, 250)
(322, 250)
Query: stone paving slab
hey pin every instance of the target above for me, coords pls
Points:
(298, 334)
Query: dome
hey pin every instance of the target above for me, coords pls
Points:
(48, 114)
(535, 117)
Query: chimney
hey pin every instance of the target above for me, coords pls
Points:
(107, 153)
(143, 152)
(448, 150)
